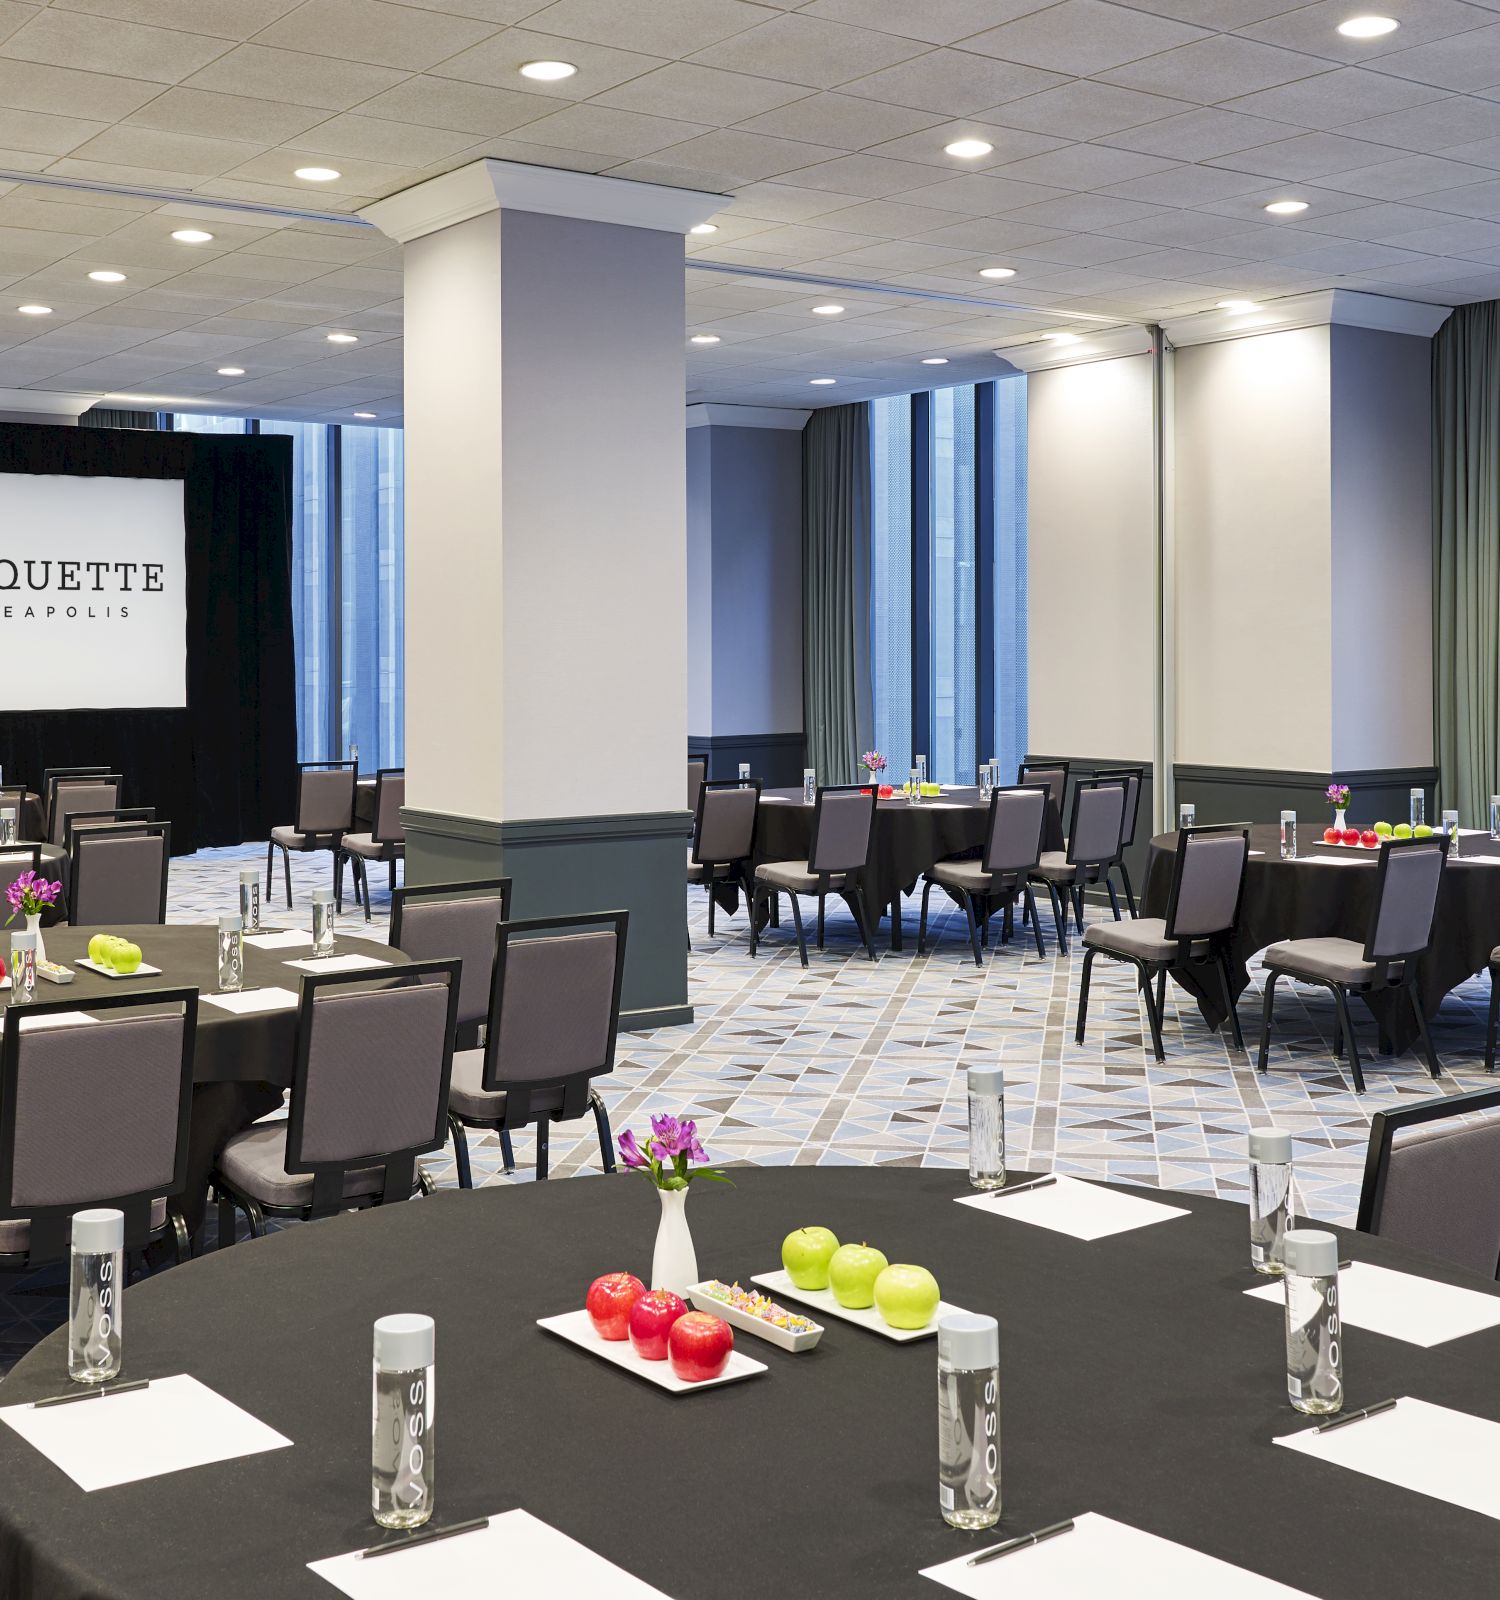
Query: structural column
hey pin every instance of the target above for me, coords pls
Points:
(546, 601)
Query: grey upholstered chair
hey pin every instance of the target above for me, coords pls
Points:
(98, 793)
(1489, 1037)
(117, 873)
(77, 821)
(724, 838)
(1203, 907)
(697, 771)
(15, 861)
(1093, 848)
(96, 1116)
(1432, 1179)
(386, 840)
(1052, 773)
(369, 1095)
(554, 1013)
(325, 813)
(1400, 930)
(1133, 778)
(435, 920)
(1012, 848)
(843, 821)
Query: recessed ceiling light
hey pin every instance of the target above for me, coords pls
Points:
(1368, 27)
(107, 277)
(231, 372)
(366, 416)
(343, 338)
(828, 311)
(35, 311)
(1064, 338)
(704, 227)
(821, 381)
(548, 71)
(968, 149)
(934, 361)
(191, 236)
(705, 338)
(317, 174)
(1237, 305)
(1286, 208)
(997, 272)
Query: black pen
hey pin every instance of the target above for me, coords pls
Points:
(1355, 1416)
(92, 1394)
(1025, 1540)
(427, 1536)
(1021, 1188)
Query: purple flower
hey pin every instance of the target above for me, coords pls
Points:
(630, 1151)
(1337, 794)
(872, 761)
(30, 892)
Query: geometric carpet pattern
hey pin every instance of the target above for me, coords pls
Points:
(853, 1063)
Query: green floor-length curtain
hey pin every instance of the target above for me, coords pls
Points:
(1466, 558)
(836, 590)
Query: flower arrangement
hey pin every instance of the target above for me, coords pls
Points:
(670, 1148)
(873, 762)
(29, 893)
(1337, 795)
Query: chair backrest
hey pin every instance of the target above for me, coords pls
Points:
(1430, 1179)
(370, 1080)
(325, 796)
(1053, 773)
(697, 772)
(15, 860)
(1132, 778)
(842, 821)
(1406, 891)
(118, 873)
(79, 794)
(77, 820)
(554, 1011)
(390, 796)
(50, 775)
(1013, 843)
(13, 798)
(96, 1115)
(432, 921)
(1098, 816)
(1208, 877)
(724, 823)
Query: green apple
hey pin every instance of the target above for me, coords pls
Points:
(805, 1253)
(1383, 829)
(127, 957)
(1421, 831)
(1402, 830)
(96, 949)
(852, 1273)
(906, 1296)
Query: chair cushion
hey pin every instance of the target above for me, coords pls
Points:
(466, 1097)
(289, 838)
(1342, 960)
(794, 875)
(1055, 867)
(694, 872)
(255, 1163)
(960, 874)
(15, 1234)
(1143, 938)
(362, 844)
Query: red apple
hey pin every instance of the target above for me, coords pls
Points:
(886, 791)
(1370, 839)
(699, 1345)
(609, 1300)
(1332, 836)
(651, 1319)
(1351, 835)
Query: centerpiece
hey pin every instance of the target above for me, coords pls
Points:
(28, 895)
(1337, 795)
(874, 764)
(672, 1158)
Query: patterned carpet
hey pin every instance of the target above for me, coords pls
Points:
(850, 1063)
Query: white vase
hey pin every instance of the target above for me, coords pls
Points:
(1338, 819)
(674, 1262)
(34, 926)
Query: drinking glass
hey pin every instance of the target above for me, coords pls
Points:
(1450, 827)
(914, 786)
(1288, 835)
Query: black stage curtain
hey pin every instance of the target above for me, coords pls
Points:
(223, 770)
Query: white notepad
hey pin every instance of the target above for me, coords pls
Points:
(534, 1558)
(291, 939)
(1403, 1306)
(175, 1424)
(248, 1001)
(1101, 1557)
(61, 1019)
(1430, 1449)
(337, 963)
(1069, 1206)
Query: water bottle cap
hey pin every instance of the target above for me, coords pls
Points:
(22, 941)
(968, 1342)
(231, 925)
(1311, 1252)
(1272, 1145)
(95, 1232)
(986, 1080)
(249, 874)
(404, 1342)
(322, 897)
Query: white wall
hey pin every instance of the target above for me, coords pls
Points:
(1092, 585)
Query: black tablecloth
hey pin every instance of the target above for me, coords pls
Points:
(1136, 1381)
(1309, 898)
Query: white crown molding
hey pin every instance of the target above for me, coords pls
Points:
(491, 185)
(715, 415)
(46, 403)
(1344, 308)
(1040, 354)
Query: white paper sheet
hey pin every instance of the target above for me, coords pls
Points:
(291, 939)
(1082, 1209)
(534, 1558)
(1448, 1455)
(175, 1424)
(336, 963)
(249, 1001)
(62, 1019)
(1362, 860)
(1403, 1306)
(1104, 1557)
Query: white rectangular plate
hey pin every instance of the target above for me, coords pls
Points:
(337, 963)
(248, 1001)
(782, 1288)
(1084, 1210)
(1402, 1305)
(575, 1327)
(782, 1338)
(142, 971)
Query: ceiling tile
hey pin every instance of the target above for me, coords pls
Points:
(702, 94)
(1439, 125)
(785, 202)
(1084, 166)
(621, 134)
(1185, 185)
(1215, 69)
(1084, 110)
(1009, 144)
(1409, 177)
(30, 130)
(127, 145)
(1220, 14)
(979, 194)
(375, 139)
(870, 177)
(936, 21)
(1083, 37)
(993, 236)
(226, 19)
(1481, 153)
(1309, 155)
(373, 31)
(728, 157)
(498, 61)
(953, 83)
(1332, 99)
(1452, 237)
(1314, 28)
(288, 75)
(1075, 250)
(1471, 200)
(98, 44)
(473, 108)
(843, 121)
(365, 178)
(663, 27)
(1198, 135)
(886, 218)
(1085, 211)
(810, 50)
(201, 114)
(1464, 62)
(62, 91)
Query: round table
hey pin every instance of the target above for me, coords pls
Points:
(1137, 1381)
(1321, 894)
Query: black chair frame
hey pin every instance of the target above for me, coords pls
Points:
(57, 778)
(449, 891)
(51, 1226)
(717, 872)
(1132, 819)
(1084, 872)
(316, 841)
(119, 830)
(359, 866)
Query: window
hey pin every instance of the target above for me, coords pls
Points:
(948, 578)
